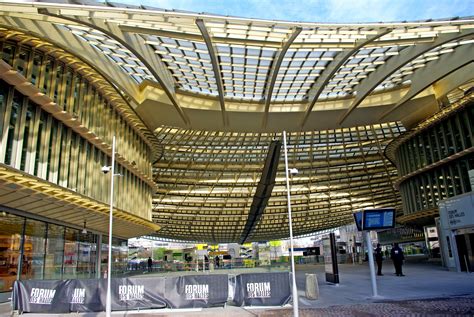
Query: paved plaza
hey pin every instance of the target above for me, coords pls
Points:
(426, 290)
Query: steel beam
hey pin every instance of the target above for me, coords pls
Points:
(395, 63)
(127, 41)
(274, 72)
(331, 70)
(215, 67)
(435, 71)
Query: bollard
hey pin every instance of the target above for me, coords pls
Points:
(312, 288)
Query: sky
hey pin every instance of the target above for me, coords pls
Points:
(338, 11)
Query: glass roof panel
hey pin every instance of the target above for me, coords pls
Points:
(188, 61)
(114, 51)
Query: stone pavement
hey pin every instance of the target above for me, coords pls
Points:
(455, 306)
(426, 290)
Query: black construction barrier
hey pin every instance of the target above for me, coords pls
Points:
(41, 296)
(85, 295)
(262, 289)
(188, 291)
(135, 293)
(53, 296)
(197, 291)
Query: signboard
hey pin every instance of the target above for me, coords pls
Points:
(197, 291)
(457, 212)
(471, 178)
(214, 253)
(373, 219)
(135, 293)
(262, 289)
(84, 295)
(330, 258)
(40, 296)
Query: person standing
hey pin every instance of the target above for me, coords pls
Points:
(379, 259)
(150, 264)
(397, 258)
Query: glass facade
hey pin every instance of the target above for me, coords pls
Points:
(41, 144)
(51, 251)
(443, 149)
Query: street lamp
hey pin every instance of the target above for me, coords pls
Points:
(105, 170)
(293, 171)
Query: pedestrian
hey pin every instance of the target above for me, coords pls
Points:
(379, 259)
(150, 264)
(397, 258)
(216, 260)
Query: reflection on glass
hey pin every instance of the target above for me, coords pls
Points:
(11, 228)
(33, 250)
(70, 253)
(119, 256)
(87, 256)
(54, 252)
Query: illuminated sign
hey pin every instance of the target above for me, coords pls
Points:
(373, 219)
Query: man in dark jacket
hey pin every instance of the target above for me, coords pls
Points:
(397, 258)
(150, 264)
(379, 259)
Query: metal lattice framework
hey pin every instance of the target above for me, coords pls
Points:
(206, 191)
(217, 90)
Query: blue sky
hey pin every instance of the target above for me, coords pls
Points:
(323, 10)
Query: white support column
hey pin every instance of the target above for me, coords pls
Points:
(290, 224)
(371, 263)
(108, 302)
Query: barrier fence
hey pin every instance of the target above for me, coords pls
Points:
(190, 291)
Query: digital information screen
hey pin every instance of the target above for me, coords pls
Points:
(372, 219)
(378, 219)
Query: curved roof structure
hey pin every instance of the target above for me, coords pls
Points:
(217, 90)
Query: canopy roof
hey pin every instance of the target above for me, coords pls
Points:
(216, 90)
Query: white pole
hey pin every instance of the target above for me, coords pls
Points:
(108, 302)
(295, 291)
(371, 263)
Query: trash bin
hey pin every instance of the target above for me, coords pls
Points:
(312, 288)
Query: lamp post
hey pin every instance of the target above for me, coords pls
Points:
(106, 169)
(293, 275)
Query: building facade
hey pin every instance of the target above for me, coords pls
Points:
(56, 128)
(434, 159)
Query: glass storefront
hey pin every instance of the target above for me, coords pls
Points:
(51, 251)
(11, 228)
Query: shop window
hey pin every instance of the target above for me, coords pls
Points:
(70, 253)
(33, 250)
(87, 255)
(54, 252)
(11, 229)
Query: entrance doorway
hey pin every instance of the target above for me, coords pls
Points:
(465, 248)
